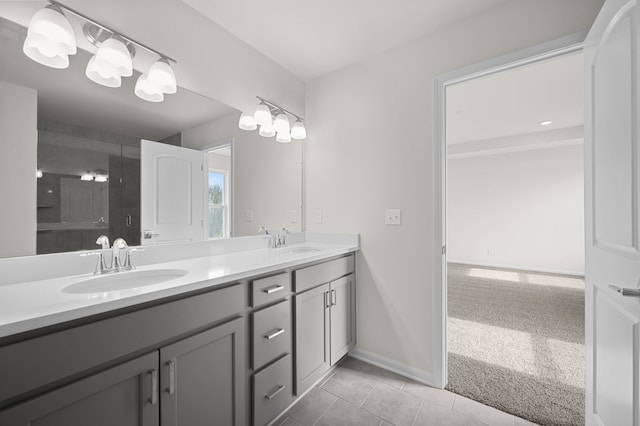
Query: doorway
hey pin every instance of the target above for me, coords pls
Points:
(493, 144)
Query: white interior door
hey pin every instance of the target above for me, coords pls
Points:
(172, 194)
(612, 61)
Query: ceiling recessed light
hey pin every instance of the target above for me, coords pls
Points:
(546, 123)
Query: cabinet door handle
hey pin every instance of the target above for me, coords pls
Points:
(274, 334)
(277, 391)
(273, 289)
(172, 377)
(334, 297)
(326, 299)
(154, 387)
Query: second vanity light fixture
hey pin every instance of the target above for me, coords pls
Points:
(50, 40)
(273, 121)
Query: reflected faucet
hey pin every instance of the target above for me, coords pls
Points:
(103, 241)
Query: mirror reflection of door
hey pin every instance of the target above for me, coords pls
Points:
(219, 192)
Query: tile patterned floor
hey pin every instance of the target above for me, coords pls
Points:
(358, 393)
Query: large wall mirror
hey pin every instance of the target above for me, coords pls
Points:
(83, 153)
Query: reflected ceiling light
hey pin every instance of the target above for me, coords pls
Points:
(50, 39)
(262, 114)
(282, 123)
(101, 178)
(298, 131)
(283, 137)
(147, 90)
(267, 130)
(546, 122)
(87, 176)
(280, 127)
(39, 173)
(247, 122)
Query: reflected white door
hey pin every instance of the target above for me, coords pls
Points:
(612, 154)
(172, 194)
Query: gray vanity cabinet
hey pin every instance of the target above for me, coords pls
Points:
(201, 378)
(125, 395)
(324, 318)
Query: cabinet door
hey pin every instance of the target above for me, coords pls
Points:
(126, 395)
(342, 317)
(312, 333)
(202, 378)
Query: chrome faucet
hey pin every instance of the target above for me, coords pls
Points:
(115, 254)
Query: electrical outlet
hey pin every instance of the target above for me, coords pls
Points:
(293, 216)
(318, 218)
(248, 216)
(392, 217)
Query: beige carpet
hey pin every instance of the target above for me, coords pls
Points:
(516, 342)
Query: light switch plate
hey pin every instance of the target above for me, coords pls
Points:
(318, 218)
(248, 216)
(392, 217)
(293, 216)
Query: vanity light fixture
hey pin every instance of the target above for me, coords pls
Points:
(280, 127)
(50, 40)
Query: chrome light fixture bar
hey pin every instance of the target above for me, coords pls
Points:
(50, 41)
(280, 127)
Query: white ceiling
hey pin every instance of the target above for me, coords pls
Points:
(514, 102)
(313, 38)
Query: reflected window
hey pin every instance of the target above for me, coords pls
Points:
(217, 204)
(219, 191)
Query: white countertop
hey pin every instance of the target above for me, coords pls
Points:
(26, 306)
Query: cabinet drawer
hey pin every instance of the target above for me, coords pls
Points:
(307, 278)
(268, 289)
(271, 391)
(271, 333)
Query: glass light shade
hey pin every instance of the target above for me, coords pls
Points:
(161, 74)
(147, 90)
(262, 115)
(282, 123)
(50, 38)
(283, 137)
(113, 53)
(267, 130)
(298, 131)
(101, 178)
(38, 173)
(42, 50)
(102, 73)
(247, 122)
(86, 177)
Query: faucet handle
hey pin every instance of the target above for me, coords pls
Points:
(103, 241)
(128, 264)
(101, 266)
(263, 229)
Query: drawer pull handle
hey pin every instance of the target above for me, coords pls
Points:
(273, 289)
(172, 377)
(154, 386)
(277, 391)
(274, 334)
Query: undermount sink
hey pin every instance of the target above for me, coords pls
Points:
(297, 250)
(124, 280)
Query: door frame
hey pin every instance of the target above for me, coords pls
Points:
(554, 48)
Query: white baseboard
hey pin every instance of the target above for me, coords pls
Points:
(394, 366)
(520, 268)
